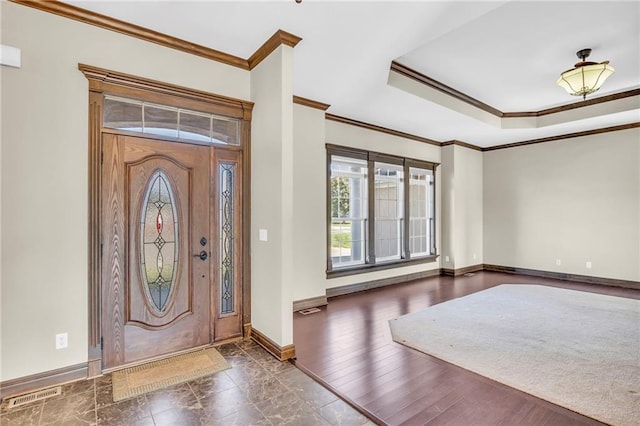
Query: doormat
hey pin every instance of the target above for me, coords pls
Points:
(138, 380)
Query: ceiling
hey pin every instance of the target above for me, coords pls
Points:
(506, 54)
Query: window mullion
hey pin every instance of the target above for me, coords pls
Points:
(406, 213)
(432, 191)
(371, 241)
(328, 211)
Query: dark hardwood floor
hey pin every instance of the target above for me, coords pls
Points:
(348, 348)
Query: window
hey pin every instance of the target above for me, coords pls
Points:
(381, 210)
(349, 211)
(170, 122)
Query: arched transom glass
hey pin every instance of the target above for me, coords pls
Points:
(159, 240)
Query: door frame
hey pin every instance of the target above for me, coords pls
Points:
(103, 81)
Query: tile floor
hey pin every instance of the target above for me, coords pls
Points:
(257, 390)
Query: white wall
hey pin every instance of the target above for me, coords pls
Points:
(44, 173)
(576, 200)
(462, 219)
(468, 208)
(309, 210)
(272, 196)
(448, 199)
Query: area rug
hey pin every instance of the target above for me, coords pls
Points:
(575, 349)
(144, 378)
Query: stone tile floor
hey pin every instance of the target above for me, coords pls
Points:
(257, 390)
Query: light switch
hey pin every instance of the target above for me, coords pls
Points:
(10, 56)
(263, 235)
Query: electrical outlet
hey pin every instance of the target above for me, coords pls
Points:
(62, 340)
(588, 265)
(474, 256)
(558, 262)
(446, 258)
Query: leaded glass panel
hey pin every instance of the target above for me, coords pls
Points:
(159, 240)
(227, 219)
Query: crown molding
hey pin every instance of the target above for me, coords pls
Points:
(368, 126)
(82, 15)
(87, 17)
(310, 103)
(441, 87)
(362, 124)
(565, 136)
(463, 144)
(575, 105)
(278, 38)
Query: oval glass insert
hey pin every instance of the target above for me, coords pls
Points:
(159, 240)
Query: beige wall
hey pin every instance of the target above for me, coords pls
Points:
(447, 200)
(576, 200)
(469, 207)
(309, 210)
(462, 221)
(44, 173)
(272, 196)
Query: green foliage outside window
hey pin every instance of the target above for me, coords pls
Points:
(340, 195)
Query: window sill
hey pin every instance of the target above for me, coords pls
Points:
(363, 269)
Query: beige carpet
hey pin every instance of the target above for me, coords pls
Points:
(576, 349)
(155, 375)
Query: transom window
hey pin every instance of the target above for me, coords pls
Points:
(169, 122)
(381, 210)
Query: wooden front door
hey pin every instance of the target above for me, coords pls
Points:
(157, 243)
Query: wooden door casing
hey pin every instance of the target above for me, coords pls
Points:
(106, 223)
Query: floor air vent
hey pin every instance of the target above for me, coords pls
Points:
(309, 311)
(34, 396)
(469, 274)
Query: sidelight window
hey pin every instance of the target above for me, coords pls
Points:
(226, 178)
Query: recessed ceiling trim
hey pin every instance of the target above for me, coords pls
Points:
(339, 119)
(574, 105)
(432, 90)
(106, 22)
(591, 132)
(441, 87)
(565, 136)
(310, 103)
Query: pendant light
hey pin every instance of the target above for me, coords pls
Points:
(586, 77)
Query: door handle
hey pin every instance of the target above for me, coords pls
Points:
(202, 255)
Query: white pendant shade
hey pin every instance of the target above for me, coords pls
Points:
(585, 79)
